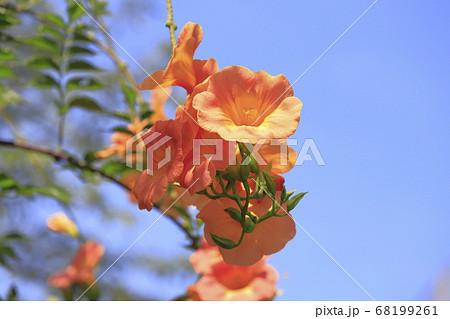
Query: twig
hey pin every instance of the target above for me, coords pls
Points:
(58, 156)
(170, 23)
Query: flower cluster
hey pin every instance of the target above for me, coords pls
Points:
(227, 143)
(81, 269)
(222, 282)
(80, 273)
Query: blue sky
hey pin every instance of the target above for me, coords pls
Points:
(377, 107)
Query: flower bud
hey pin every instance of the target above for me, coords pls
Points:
(233, 172)
(270, 184)
(234, 213)
(249, 224)
(254, 166)
(60, 223)
(244, 172)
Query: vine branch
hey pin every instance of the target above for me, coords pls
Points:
(170, 23)
(62, 156)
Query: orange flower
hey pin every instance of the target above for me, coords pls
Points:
(269, 236)
(240, 104)
(281, 157)
(163, 143)
(200, 164)
(119, 139)
(81, 270)
(221, 281)
(158, 101)
(210, 154)
(182, 70)
(60, 223)
(129, 179)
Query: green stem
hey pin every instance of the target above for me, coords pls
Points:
(61, 87)
(61, 127)
(170, 23)
(247, 195)
(237, 198)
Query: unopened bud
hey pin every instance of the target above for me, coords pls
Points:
(60, 223)
(244, 172)
(249, 224)
(234, 213)
(233, 172)
(254, 166)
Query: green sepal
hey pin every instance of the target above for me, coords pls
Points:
(223, 242)
(270, 184)
(249, 224)
(254, 166)
(244, 172)
(294, 201)
(234, 213)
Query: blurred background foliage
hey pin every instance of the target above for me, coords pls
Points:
(65, 89)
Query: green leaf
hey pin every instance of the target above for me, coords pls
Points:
(6, 54)
(7, 20)
(100, 7)
(6, 72)
(130, 95)
(80, 65)
(45, 81)
(83, 83)
(143, 107)
(7, 251)
(85, 103)
(9, 97)
(146, 114)
(14, 236)
(75, 11)
(3, 262)
(148, 126)
(40, 63)
(112, 167)
(43, 43)
(49, 30)
(7, 182)
(75, 49)
(294, 201)
(5, 37)
(90, 157)
(82, 37)
(55, 192)
(12, 294)
(122, 129)
(121, 115)
(50, 191)
(54, 19)
(223, 242)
